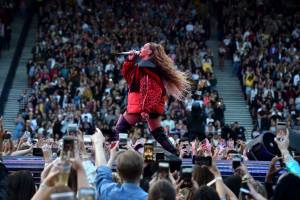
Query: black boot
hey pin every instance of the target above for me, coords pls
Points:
(122, 126)
(163, 140)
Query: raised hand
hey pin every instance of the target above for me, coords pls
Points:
(132, 54)
(49, 174)
(98, 137)
(283, 141)
(273, 169)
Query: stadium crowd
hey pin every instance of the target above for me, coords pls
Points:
(264, 45)
(76, 86)
(75, 76)
(123, 174)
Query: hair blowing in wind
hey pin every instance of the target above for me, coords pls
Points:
(177, 85)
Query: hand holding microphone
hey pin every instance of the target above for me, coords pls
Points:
(132, 54)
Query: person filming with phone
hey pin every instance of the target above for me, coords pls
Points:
(129, 165)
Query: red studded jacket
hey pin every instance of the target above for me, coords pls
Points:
(146, 89)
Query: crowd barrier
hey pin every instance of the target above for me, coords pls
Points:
(257, 169)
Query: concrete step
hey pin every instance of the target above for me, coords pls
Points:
(20, 81)
(230, 90)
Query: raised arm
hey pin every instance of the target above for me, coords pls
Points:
(219, 182)
(98, 141)
(128, 66)
(22, 152)
(290, 163)
(82, 180)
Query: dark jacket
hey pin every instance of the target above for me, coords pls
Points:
(146, 88)
(196, 122)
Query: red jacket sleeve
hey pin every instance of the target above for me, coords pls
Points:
(151, 93)
(127, 69)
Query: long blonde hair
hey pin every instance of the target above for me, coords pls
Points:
(177, 84)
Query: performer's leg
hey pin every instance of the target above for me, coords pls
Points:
(132, 118)
(125, 122)
(158, 133)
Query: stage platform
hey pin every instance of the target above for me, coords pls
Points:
(257, 169)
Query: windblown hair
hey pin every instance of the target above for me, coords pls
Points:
(202, 175)
(177, 84)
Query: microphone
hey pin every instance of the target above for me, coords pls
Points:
(128, 52)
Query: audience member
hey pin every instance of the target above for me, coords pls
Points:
(129, 166)
(162, 190)
(206, 193)
(20, 185)
(264, 44)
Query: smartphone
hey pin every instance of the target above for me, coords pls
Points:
(34, 141)
(159, 156)
(281, 129)
(123, 137)
(87, 139)
(148, 151)
(281, 163)
(186, 175)
(7, 136)
(87, 194)
(202, 160)
(68, 147)
(37, 152)
(164, 167)
(63, 196)
(236, 161)
(72, 129)
(245, 191)
(55, 150)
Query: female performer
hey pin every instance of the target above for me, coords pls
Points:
(151, 77)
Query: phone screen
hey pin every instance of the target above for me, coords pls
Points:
(236, 164)
(236, 161)
(55, 150)
(68, 146)
(281, 129)
(72, 129)
(186, 176)
(87, 194)
(160, 156)
(245, 191)
(202, 160)
(37, 152)
(123, 137)
(163, 167)
(88, 142)
(7, 136)
(148, 152)
(62, 196)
